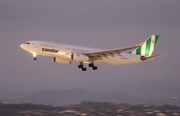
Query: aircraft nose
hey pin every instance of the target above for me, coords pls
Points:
(21, 46)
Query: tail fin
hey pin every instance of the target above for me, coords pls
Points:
(147, 48)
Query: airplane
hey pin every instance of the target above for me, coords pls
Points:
(65, 54)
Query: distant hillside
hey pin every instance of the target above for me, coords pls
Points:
(65, 97)
(12, 95)
(139, 89)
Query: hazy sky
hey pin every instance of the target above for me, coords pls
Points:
(94, 23)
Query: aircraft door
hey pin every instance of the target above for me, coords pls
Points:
(36, 45)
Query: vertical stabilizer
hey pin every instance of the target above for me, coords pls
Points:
(147, 48)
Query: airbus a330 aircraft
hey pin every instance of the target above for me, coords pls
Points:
(65, 54)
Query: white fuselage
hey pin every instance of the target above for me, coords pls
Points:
(60, 50)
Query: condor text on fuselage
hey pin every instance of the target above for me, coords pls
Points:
(49, 50)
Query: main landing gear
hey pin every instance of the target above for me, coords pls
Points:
(84, 68)
(93, 66)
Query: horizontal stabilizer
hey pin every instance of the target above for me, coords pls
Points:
(153, 57)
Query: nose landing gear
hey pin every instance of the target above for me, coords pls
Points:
(34, 56)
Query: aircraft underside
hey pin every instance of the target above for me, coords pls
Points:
(110, 61)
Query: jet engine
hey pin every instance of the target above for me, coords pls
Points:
(59, 60)
(78, 57)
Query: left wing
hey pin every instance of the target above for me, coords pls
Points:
(112, 52)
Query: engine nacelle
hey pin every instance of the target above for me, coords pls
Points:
(61, 60)
(66, 56)
(78, 57)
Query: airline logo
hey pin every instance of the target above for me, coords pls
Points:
(50, 50)
(148, 46)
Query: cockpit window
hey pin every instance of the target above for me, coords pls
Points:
(26, 43)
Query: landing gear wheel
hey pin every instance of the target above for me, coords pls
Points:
(84, 69)
(35, 58)
(91, 65)
(94, 68)
(80, 66)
